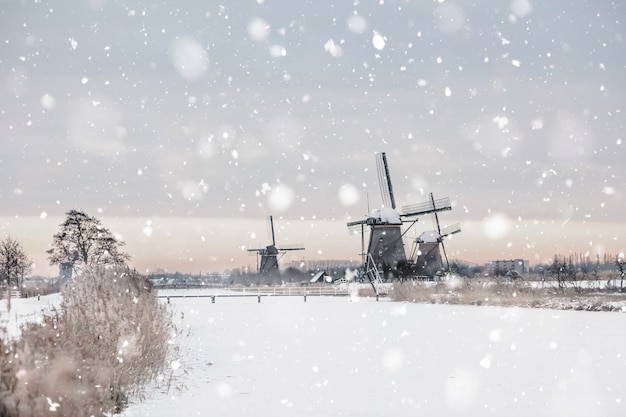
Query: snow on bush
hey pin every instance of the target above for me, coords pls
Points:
(105, 343)
(507, 292)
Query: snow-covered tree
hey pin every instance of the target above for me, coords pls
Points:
(83, 241)
(14, 262)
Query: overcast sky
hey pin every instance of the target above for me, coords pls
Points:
(183, 124)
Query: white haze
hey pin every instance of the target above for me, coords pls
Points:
(216, 112)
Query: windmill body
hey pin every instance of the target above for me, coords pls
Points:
(428, 261)
(269, 260)
(429, 247)
(270, 254)
(387, 247)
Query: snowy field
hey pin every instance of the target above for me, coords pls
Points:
(25, 310)
(341, 356)
(336, 356)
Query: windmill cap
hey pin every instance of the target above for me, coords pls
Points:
(431, 236)
(388, 216)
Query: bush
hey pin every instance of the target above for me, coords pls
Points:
(106, 342)
(507, 292)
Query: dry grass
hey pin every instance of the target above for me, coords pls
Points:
(108, 339)
(504, 292)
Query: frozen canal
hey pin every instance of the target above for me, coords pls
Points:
(336, 356)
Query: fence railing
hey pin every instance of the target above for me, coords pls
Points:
(260, 292)
(292, 291)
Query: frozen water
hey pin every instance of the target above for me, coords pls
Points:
(330, 356)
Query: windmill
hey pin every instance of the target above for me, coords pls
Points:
(270, 254)
(428, 247)
(385, 251)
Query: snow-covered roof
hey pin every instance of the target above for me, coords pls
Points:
(318, 276)
(431, 236)
(388, 215)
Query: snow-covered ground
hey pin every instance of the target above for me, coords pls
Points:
(336, 356)
(25, 309)
(341, 356)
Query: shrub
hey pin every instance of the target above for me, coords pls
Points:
(506, 292)
(106, 342)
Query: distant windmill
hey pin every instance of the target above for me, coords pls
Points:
(386, 247)
(270, 254)
(428, 247)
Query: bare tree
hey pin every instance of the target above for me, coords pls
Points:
(621, 265)
(14, 263)
(83, 241)
(558, 271)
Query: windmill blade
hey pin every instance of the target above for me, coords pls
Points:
(384, 181)
(445, 255)
(357, 223)
(447, 231)
(450, 230)
(258, 250)
(356, 227)
(290, 247)
(255, 252)
(431, 206)
(435, 221)
(432, 200)
(271, 229)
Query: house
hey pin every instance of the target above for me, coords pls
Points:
(502, 267)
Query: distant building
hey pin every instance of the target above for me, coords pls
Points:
(501, 267)
(234, 271)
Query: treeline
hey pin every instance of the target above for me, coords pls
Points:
(580, 262)
(574, 271)
(574, 263)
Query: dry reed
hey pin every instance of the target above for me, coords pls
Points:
(105, 343)
(507, 292)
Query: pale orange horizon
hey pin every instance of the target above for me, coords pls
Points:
(207, 245)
